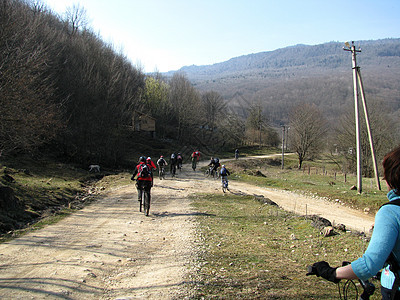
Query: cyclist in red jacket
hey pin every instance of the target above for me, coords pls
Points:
(152, 166)
(195, 158)
(144, 180)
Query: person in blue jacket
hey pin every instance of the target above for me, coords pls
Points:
(385, 238)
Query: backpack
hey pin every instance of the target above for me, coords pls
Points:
(179, 157)
(173, 156)
(144, 171)
(223, 172)
(216, 160)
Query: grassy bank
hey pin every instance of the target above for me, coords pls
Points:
(250, 250)
(320, 178)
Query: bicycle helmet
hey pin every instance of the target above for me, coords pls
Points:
(142, 159)
(161, 156)
(223, 166)
(149, 158)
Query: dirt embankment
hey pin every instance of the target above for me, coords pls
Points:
(109, 250)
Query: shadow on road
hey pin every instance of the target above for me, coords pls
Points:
(171, 214)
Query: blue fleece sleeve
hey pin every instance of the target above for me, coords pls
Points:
(382, 242)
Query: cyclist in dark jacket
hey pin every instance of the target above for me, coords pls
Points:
(215, 164)
(172, 163)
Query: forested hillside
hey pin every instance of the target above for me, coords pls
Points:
(66, 92)
(320, 74)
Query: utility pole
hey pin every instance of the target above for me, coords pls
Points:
(283, 146)
(287, 138)
(371, 141)
(260, 123)
(357, 82)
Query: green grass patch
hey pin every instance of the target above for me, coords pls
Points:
(317, 178)
(250, 250)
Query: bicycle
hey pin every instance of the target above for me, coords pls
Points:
(179, 167)
(210, 172)
(161, 172)
(144, 201)
(173, 170)
(224, 184)
(146, 204)
(194, 164)
(368, 287)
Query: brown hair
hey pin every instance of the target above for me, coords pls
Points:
(391, 169)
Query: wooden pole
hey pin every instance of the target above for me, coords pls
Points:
(371, 142)
(357, 117)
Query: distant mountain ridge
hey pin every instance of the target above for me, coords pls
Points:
(319, 74)
(324, 55)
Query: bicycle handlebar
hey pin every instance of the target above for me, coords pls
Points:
(311, 271)
(368, 287)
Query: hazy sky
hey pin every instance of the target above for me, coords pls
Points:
(165, 35)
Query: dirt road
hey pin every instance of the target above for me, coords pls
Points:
(109, 250)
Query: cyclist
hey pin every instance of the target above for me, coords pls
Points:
(161, 163)
(172, 164)
(151, 163)
(195, 158)
(143, 180)
(237, 154)
(152, 166)
(179, 160)
(385, 240)
(215, 164)
(224, 176)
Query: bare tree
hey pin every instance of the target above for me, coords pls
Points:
(28, 114)
(214, 107)
(186, 103)
(382, 131)
(156, 103)
(76, 18)
(258, 129)
(307, 127)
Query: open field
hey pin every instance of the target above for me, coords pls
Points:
(252, 250)
(243, 249)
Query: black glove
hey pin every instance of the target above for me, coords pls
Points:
(323, 269)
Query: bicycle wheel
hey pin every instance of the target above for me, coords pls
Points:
(194, 165)
(207, 173)
(146, 204)
(140, 205)
(173, 171)
(216, 174)
(223, 187)
(160, 174)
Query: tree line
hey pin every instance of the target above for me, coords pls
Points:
(63, 88)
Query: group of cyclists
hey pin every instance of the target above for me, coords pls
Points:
(145, 169)
(175, 162)
(382, 252)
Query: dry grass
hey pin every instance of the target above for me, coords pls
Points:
(249, 250)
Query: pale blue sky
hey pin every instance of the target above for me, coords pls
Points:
(165, 35)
